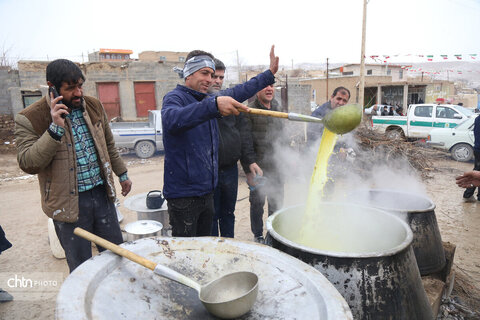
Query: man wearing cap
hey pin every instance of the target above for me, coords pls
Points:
(190, 139)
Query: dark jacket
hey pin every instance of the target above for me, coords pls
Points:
(190, 136)
(55, 162)
(235, 141)
(267, 132)
(476, 134)
(315, 130)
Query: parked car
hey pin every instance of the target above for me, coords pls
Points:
(420, 120)
(459, 141)
(380, 109)
(143, 137)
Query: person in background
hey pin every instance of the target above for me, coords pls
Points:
(340, 97)
(4, 245)
(67, 141)
(190, 138)
(391, 112)
(267, 132)
(385, 111)
(400, 111)
(231, 130)
(468, 193)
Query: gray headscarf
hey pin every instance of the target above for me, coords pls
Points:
(194, 64)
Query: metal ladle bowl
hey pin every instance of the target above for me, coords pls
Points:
(343, 119)
(227, 297)
(340, 120)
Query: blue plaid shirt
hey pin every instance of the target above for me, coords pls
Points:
(88, 171)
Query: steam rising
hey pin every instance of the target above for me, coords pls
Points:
(370, 179)
(367, 171)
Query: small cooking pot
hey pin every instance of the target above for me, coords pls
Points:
(143, 229)
(155, 199)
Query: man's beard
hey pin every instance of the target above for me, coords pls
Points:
(73, 106)
(213, 89)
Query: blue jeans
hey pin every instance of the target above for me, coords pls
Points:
(97, 214)
(225, 199)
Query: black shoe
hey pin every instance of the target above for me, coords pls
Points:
(5, 296)
(259, 239)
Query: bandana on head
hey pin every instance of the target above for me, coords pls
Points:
(194, 64)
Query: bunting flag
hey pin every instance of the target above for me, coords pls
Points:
(429, 57)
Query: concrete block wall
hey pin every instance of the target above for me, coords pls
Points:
(298, 102)
(31, 76)
(8, 79)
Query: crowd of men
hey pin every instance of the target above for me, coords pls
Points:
(66, 140)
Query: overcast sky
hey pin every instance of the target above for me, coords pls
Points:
(303, 31)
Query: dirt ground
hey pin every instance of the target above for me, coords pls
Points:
(26, 227)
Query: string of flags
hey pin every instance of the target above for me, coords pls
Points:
(428, 57)
(410, 69)
(431, 57)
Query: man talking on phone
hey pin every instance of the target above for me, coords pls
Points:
(67, 141)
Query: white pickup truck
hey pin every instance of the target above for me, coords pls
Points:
(420, 120)
(144, 137)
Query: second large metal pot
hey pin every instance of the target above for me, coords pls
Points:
(364, 252)
(419, 212)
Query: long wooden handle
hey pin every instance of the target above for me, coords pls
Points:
(268, 113)
(114, 248)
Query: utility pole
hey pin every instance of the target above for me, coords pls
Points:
(361, 92)
(327, 80)
(292, 64)
(238, 69)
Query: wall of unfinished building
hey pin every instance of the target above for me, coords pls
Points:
(31, 77)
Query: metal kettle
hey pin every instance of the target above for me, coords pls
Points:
(155, 199)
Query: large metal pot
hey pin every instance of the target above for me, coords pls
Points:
(368, 257)
(138, 203)
(111, 287)
(419, 212)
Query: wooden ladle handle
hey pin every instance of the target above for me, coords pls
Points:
(269, 113)
(114, 248)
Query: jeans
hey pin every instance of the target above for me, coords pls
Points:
(97, 214)
(470, 191)
(273, 191)
(225, 198)
(191, 216)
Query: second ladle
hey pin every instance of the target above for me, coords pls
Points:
(227, 297)
(340, 120)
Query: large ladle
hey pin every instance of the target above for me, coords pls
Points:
(340, 120)
(227, 297)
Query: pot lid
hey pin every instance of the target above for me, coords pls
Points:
(138, 203)
(142, 227)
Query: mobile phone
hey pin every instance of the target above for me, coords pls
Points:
(55, 94)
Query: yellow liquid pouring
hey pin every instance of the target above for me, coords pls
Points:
(307, 234)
